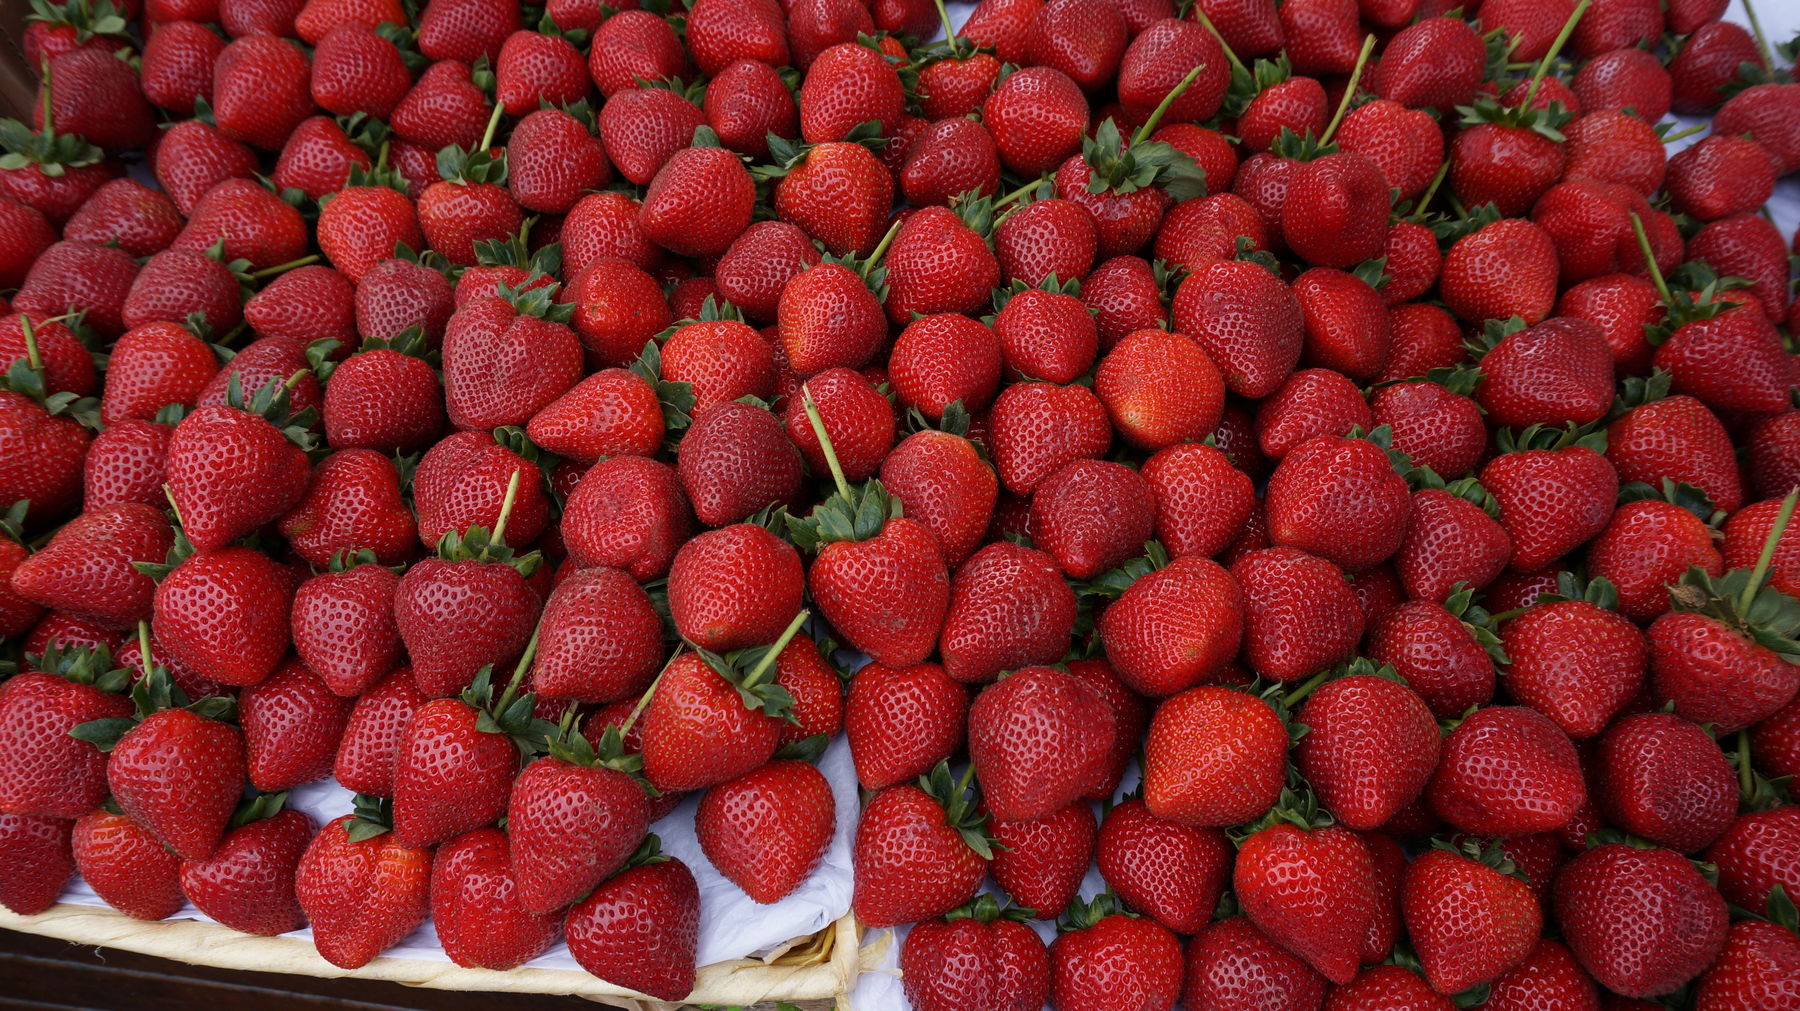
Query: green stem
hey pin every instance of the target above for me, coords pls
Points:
(1562, 38)
(143, 638)
(949, 30)
(1305, 689)
(1762, 41)
(233, 334)
(1143, 132)
(381, 158)
(644, 699)
(294, 380)
(881, 247)
(518, 676)
(759, 673)
(1362, 61)
(1021, 191)
(1437, 182)
(1689, 132)
(1746, 775)
(487, 136)
(1206, 22)
(811, 407)
(33, 357)
(49, 127)
(1656, 278)
(1767, 555)
(279, 268)
(170, 495)
(506, 508)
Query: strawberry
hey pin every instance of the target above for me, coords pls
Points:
(384, 398)
(353, 505)
(628, 512)
(247, 884)
(920, 851)
(1188, 780)
(223, 613)
(1174, 627)
(361, 891)
(1034, 720)
(372, 735)
(538, 67)
(52, 30)
(1505, 268)
(466, 608)
(1320, 36)
(1576, 661)
(475, 905)
(78, 276)
(643, 127)
(466, 29)
(1469, 918)
(126, 866)
(231, 469)
(1555, 492)
(1557, 372)
(360, 226)
(175, 771)
(1039, 862)
(1646, 547)
(735, 460)
(1335, 211)
(1710, 631)
(902, 721)
(1000, 583)
(1764, 113)
(1037, 118)
(1387, 986)
(981, 956)
(139, 219)
(506, 358)
(247, 106)
(1233, 966)
(723, 33)
(1311, 891)
(37, 862)
(1163, 869)
(1104, 956)
(941, 480)
(58, 774)
(1300, 614)
(1369, 749)
(1756, 966)
(1202, 502)
(949, 158)
(343, 626)
(1247, 321)
(1623, 306)
(698, 184)
(757, 266)
(1663, 779)
(638, 45)
(356, 68)
(1506, 770)
(87, 568)
(552, 157)
(1627, 78)
(467, 479)
(447, 106)
(44, 453)
(292, 723)
(575, 818)
(1310, 403)
(706, 580)
(721, 360)
(713, 718)
(1746, 245)
(639, 929)
(859, 420)
(767, 829)
(1322, 476)
(1640, 921)
(96, 96)
(1438, 650)
(601, 639)
(937, 263)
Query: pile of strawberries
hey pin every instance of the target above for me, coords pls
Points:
(1342, 410)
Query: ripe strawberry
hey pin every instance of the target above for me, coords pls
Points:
(1037, 118)
(1555, 492)
(920, 851)
(1370, 747)
(58, 774)
(600, 638)
(1233, 966)
(354, 505)
(126, 866)
(247, 884)
(37, 862)
(464, 609)
(475, 907)
(1757, 965)
(999, 584)
(639, 929)
(839, 194)
(292, 723)
(575, 818)
(1575, 661)
(902, 721)
(1663, 779)
(1641, 921)
(1247, 321)
(1163, 869)
(979, 957)
(139, 219)
(1189, 780)
(1387, 986)
(1105, 955)
(179, 774)
(343, 627)
(372, 735)
(766, 830)
(735, 460)
(1300, 614)
(1440, 653)
(96, 97)
(125, 464)
(1175, 627)
(177, 63)
(361, 890)
(1311, 891)
(1034, 721)
(223, 614)
(627, 512)
(467, 480)
(1469, 918)
(1506, 268)
(87, 568)
(1506, 770)
(1310, 403)
(699, 202)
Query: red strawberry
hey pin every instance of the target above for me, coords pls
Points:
(37, 862)
(639, 929)
(1190, 779)
(1663, 779)
(1504, 269)
(1233, 966)
(372, 736)
(766, 830)
(358, 69)
(1555, 492)
(1034, 720)
(292, 724)
(600, 638)
(179, 774)
(1577, 662)
(1756, 966)
(343, 627)
(126, 866)
(1506, 770)
(1370, 746)
(984, 959)
(920, 851)
(1202, 501)
(1248, 322)
(1163, 869)
(361, 890)
(1641, 921)
(57, 774)
(1105, 956)
(1037, 428)
(223, 614)
(467, 608)
(87, 568)
(1311, 891)
(353, 505)
(574, 820)
(627, 512)
(475, 906)
(1300, 614)
(1175, 627)
(247, 884)
(1439, 654)
(1001, 584)
(1470, 920)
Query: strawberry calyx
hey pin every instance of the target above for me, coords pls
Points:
(1382, 437)
(345, 559)
(461, 167)
(1297, 806)
(1756, 792)
(479, 544)
(87, 19)
(259, 807)
(1598, 591)
(852, 513)
(987, 909)
(806, 749)
(1373, 273)
(1551, 438)
(12, 522)
(82, 665)
(961, 800)
(1120, 168)
(954, 421)
(153, 693)
(953, 46)
(870, 268)
(712, 310)
(536, 296)
(1492, 333)
(1296, 147)
(1743, 600)
(568, 744)
(515, 251)
(1116, 581)
(1700, 305)
(1675, 493)
(28, 377)
(676, 398)
(272, 404)
(648, 852)
(51, 152)
(371, 816)
(752, 672)
(786, 154)
(1085, 913)
(1466, 220)
(1486, 852)
(1050, 283)
(1461, 378)
(512, 712)
(379, 174)
(1636, 391)
(1260, 77)
(546, 25)
(409, 342)
(1479, 622)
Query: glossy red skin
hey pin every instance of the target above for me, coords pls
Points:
(1642, 922)
(35, 860)
(449, 777)
(52, 774)
(475, 905)
(343, 627)
(1311, 891)
(125, 865)
(901, 722)
(955, 964)
(1119, 957)
(766, 831)
(248, 882)
(362, 897)
(370, 747)
(639, 929)
(180, 776)
(571, 826)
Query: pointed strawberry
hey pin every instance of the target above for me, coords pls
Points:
(361, 890)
